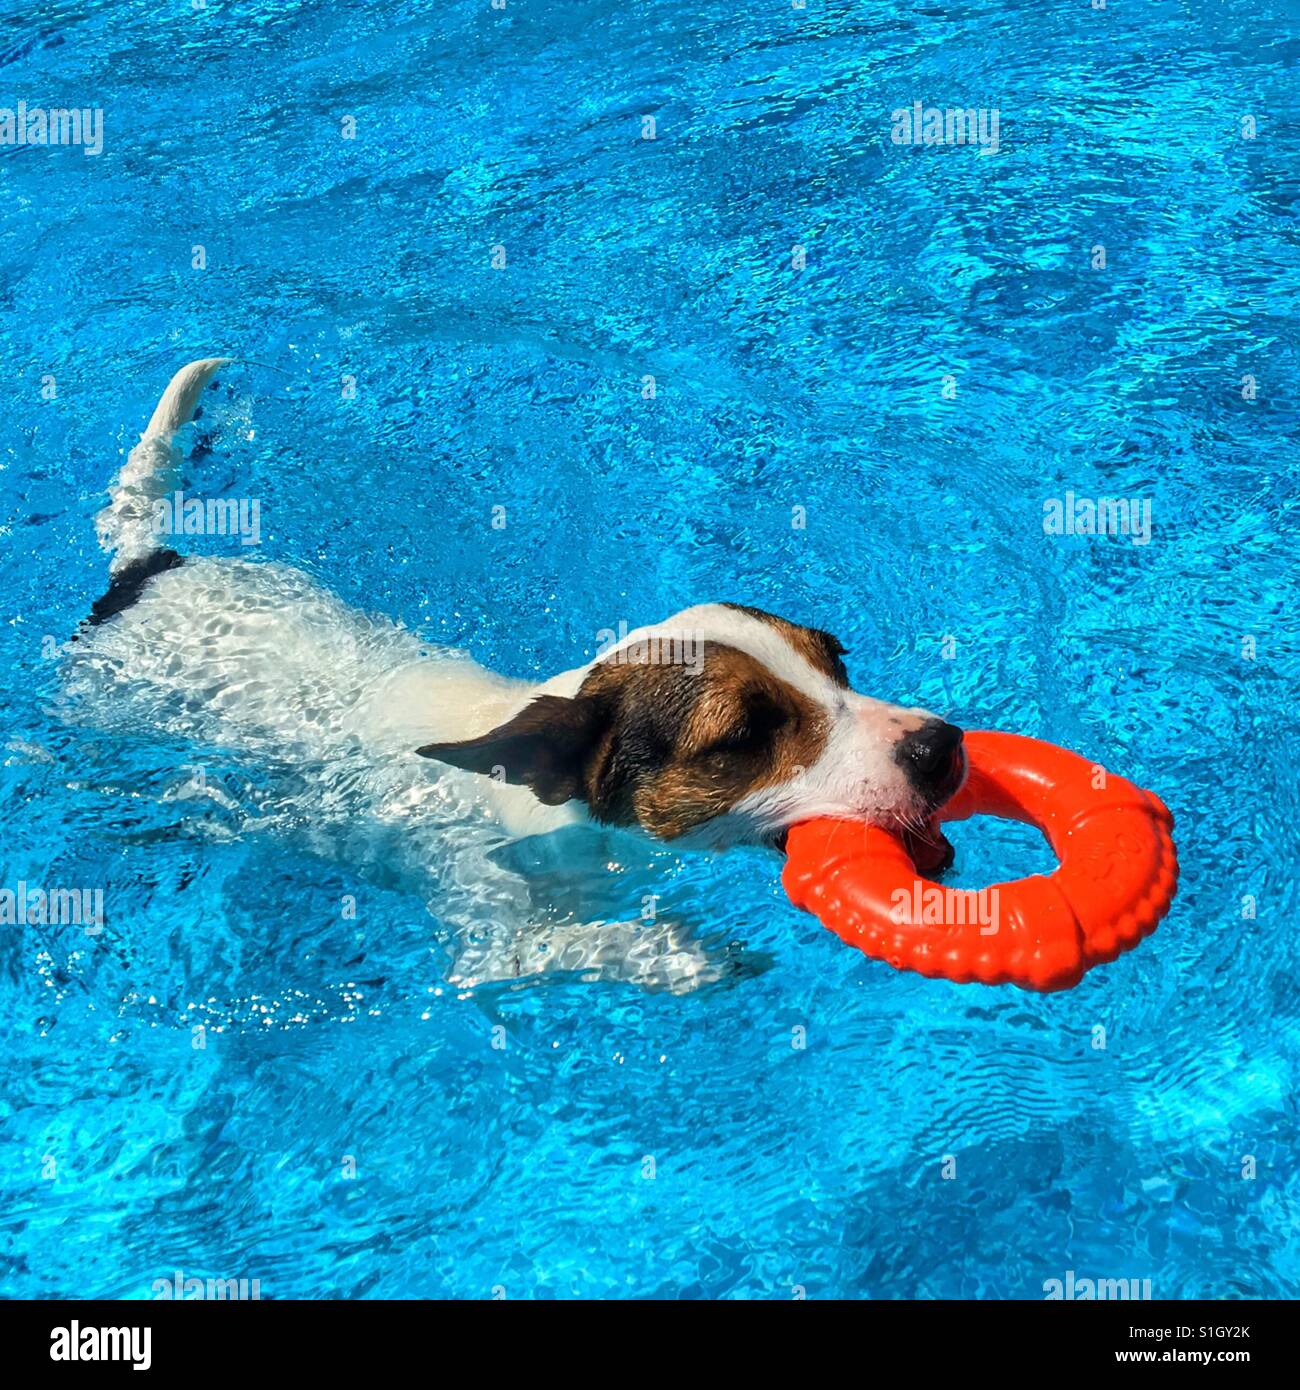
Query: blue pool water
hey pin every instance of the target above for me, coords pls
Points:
(349, 1128)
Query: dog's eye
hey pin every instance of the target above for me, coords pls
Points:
(754, 733)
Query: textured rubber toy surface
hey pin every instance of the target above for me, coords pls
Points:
(1117, 874)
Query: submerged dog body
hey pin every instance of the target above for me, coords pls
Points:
(757, 730)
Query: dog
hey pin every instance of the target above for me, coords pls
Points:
(724, 725)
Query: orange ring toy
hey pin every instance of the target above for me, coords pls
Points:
(1118, 873)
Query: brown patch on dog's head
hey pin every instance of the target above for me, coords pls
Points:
(745, 729)
(665, 746)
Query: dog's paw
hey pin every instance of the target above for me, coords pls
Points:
(661, 955)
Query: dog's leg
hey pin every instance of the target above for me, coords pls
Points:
(580, 914)
(660, 955)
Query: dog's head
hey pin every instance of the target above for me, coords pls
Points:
(723, 724)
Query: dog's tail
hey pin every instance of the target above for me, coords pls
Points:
(126, 526)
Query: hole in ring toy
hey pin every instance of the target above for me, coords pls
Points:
(1117, 875)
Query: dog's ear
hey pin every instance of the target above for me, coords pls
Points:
(545, 747)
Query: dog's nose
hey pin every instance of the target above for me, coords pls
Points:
(929, 752)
